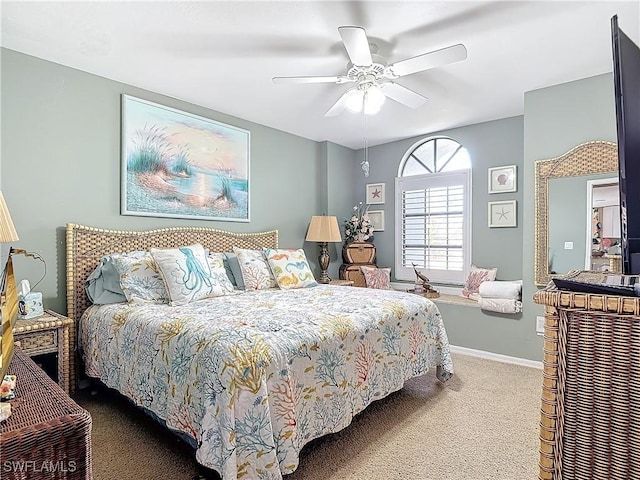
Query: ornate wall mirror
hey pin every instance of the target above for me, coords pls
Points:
(587, 160)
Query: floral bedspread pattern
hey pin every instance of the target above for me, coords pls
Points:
(253, 377)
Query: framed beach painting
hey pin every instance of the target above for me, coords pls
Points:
(177, 164)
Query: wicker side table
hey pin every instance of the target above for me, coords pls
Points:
(50, 333)
(47, 436)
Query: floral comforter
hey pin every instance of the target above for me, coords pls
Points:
(253, 377)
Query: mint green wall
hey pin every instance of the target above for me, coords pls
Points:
(557, 119)
(61, 163)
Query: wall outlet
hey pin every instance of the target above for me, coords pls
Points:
(568, 245)
(540, 325)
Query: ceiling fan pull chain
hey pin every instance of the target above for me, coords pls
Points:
(365, 162)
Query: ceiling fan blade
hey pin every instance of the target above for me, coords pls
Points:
(339, 106)
(403, 95)
(357, 45)
(437, 58)
(340, 79)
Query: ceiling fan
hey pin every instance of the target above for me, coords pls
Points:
(373, 78)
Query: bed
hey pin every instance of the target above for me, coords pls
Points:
(250, 377)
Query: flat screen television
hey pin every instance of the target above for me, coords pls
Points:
(626, 80)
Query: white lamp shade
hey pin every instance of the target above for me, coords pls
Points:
(323, 228)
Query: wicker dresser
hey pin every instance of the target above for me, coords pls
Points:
(590, 414)
(47, 436)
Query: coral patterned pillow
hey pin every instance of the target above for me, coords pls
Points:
(290, 268)
(140, 277)
(379, 278)
(256, 273)
(476, 277)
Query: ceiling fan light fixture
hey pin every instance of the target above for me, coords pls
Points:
(354, 100)
(373, 100)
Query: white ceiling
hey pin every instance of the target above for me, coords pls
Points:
(222, 55)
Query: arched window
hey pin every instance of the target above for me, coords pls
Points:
(433, 191)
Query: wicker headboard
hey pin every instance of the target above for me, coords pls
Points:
(87, 245)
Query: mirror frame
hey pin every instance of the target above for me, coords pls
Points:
(589, 158)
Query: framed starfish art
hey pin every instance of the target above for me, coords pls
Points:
(502, 214)
(375, 193)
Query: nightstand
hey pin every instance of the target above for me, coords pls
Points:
(342, 283)
(49, 333)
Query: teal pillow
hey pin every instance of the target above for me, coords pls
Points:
(103, 285)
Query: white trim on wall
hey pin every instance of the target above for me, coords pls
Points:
(496, 357)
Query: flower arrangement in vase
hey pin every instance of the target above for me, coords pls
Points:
(358, 228)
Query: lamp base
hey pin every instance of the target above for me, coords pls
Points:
(324, 261)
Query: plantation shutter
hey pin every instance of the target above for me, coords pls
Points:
(432, 226)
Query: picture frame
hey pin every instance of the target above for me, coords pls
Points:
(503, 214)
(374, 193)
(377, 220)
(181, 165)
(503, 179)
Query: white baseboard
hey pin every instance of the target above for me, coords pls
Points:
(498, 357)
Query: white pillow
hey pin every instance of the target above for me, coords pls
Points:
(290, 268)
(187, 274)
(140, 278)
(256, 273)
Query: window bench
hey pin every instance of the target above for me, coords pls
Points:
(455, 300)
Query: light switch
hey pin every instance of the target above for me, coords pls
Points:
(568, 245)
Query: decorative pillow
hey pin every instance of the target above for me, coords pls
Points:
(219, 271)
(475, 278)
(379, 278)
(234, 267)
(256, 273)
(186, 273)
(103, 285)
(290, 268)
(140, 278)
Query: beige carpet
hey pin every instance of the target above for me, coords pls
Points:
(482, 424)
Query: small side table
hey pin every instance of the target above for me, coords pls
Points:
(49, 333)
(48, 435)
(342, 283)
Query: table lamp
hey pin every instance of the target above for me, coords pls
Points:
(8, 295)
(323, 229)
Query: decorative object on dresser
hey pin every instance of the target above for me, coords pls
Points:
(422, 285)
(323, 229)
(358, 228)
(51, 333)
(49, 435)
(354, 256)
(589, 425)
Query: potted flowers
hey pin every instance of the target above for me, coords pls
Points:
(358, 228)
